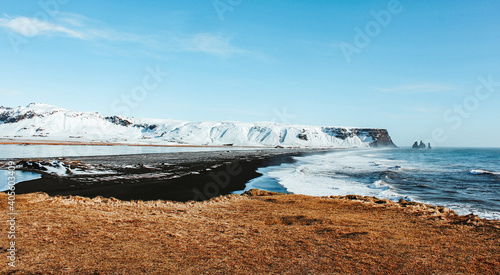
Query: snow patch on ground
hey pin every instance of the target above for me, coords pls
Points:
(45, 122)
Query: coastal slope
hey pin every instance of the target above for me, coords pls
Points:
(257, 233)
(42, 122)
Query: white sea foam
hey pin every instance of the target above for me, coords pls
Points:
(334, 174)
(465, 209)
(387, 174)
(483, 171)
(380, 184)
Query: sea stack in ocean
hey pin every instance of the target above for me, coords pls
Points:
(416, 145)
(421, 145)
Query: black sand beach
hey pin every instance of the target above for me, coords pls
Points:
(167, 176)
(144, 232)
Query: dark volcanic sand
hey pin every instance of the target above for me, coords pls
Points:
(165, 176)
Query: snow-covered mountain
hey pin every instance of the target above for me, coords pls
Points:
(45, 122)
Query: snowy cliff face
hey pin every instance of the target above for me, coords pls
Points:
(45, 122)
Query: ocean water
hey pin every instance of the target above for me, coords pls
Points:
(8, 151)
(466, 180)
(19, 176)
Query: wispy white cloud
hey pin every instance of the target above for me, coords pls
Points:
(215, 44)
(80, 27)
(420, 88)
(30, 27)
(69, 25)
(73, 19)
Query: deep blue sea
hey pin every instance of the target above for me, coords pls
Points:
(466, 180)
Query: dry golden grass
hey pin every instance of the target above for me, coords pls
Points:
(258, 233)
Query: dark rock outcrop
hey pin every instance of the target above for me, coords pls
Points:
(302, 136)
(118, 120)
(9, 117)
(380, 137)
(421, 145)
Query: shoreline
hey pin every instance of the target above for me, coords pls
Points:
(181, 176)
(175, 176)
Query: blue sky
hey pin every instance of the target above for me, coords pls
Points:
(425, 70)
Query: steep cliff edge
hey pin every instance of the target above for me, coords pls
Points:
(379, 137)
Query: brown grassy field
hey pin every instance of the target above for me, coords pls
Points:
(257, 233)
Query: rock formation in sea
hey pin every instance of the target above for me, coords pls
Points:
(421, 145)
